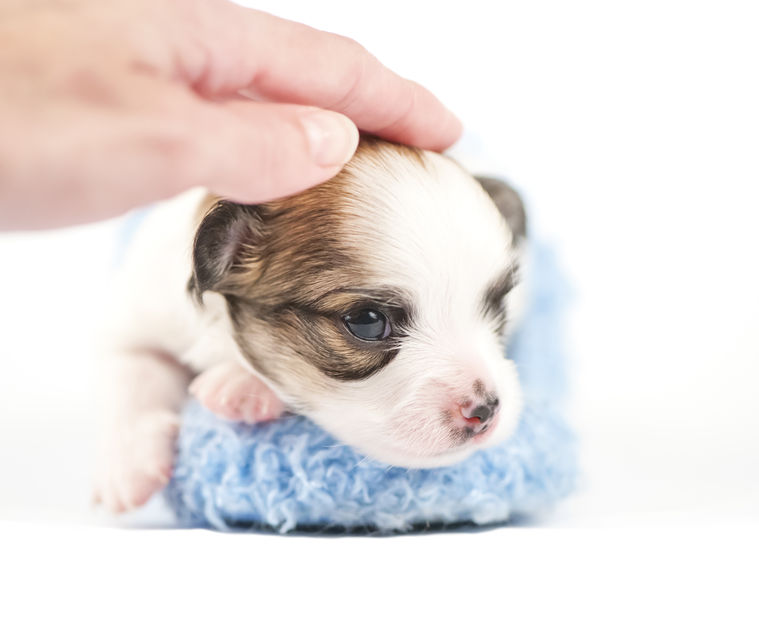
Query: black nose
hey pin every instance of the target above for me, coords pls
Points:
(484, 412)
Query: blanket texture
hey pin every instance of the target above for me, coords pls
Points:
(291, 476)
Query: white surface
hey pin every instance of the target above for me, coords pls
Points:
(633, 134)
(519, 579)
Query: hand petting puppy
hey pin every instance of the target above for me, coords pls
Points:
(110, 105)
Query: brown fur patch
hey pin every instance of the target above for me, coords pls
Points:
(292, 267)
(379, 151)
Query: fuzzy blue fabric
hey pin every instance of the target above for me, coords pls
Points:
(289, 475)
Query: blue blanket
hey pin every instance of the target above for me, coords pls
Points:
(289, 475)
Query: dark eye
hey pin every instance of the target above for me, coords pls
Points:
(368, 324)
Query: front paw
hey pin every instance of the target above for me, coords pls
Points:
(234, 393)
(135, 461)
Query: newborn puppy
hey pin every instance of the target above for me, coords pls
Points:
(377, 304)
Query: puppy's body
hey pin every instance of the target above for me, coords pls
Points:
(376, 304)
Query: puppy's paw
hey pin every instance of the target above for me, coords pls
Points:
(135, 460)
(235, 394)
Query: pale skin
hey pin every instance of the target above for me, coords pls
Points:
(109, 105)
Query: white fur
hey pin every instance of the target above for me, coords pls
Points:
(441, 239)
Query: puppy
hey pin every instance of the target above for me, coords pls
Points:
(377, 304)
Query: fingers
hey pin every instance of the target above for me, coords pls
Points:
(247, 151)
(277, 60)
(254, 152)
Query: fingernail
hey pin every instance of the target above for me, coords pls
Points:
(332, 137)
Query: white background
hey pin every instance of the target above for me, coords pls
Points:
(631, 130)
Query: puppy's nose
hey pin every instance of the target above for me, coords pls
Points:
(481, 413)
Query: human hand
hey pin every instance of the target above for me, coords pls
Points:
(109, 105)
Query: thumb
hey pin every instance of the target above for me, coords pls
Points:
(254, 152)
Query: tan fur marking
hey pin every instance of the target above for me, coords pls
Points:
(306, 247)
(301, 266)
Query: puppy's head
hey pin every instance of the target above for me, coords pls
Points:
(376, 303)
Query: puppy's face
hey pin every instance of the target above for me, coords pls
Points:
(377, 303)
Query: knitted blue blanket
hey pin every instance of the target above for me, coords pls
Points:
(289, 475)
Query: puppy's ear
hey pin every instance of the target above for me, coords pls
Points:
(509, 203)
(225, 248)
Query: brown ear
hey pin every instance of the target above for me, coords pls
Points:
(508, 203)
(225, 240)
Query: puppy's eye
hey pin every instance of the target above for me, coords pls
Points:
(368, 324)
